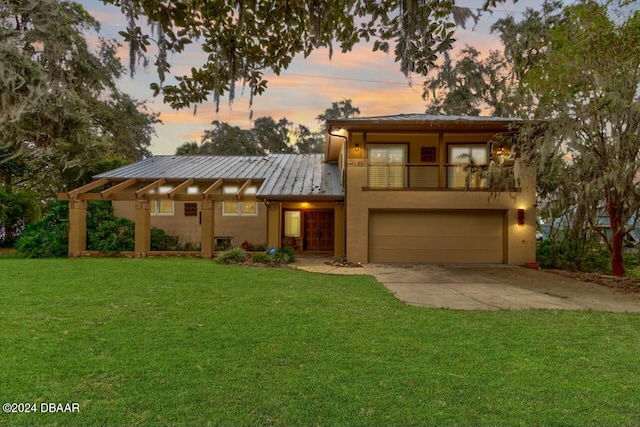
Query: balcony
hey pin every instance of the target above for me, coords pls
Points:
(444, 177)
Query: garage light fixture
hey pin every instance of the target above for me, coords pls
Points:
(520, 216)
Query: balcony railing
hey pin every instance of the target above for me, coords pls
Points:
(447, 176)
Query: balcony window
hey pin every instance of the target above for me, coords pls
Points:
(468, 163)
(386, 165)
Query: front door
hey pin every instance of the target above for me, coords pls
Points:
(318, 231)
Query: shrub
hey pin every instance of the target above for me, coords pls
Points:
(17, 210)
(48, 237)
(247, 246)
(284, 255)
(568, 255)
(232, 256)
(111, 235)
(261, 258)
(262, 247)
(161, 241)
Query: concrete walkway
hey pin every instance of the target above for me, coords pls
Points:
(485, 287)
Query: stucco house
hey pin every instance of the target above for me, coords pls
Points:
(403, 188)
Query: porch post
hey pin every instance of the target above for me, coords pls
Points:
(339, 230)
(207, 229)
(274, 225)
(142, 228)
(77, 228)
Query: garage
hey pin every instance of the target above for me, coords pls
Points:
(437, 236)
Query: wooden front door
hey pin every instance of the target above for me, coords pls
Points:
(318, 231)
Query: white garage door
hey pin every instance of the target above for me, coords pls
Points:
(459, 236)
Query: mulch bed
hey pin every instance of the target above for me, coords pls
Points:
(621, 284)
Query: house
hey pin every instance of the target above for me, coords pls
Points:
(403, 188)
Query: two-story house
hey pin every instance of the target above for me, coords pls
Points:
(405, 188)
(440, 189)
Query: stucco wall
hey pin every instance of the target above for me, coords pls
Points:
(519, 240)
(240, 228)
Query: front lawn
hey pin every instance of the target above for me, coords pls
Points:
(189, 342)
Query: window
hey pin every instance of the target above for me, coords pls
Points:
(242, 208)
(162, 206)
(468, 162)
(292, 223)
(386, 165)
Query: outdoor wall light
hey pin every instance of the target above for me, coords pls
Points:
(357, 147)
(520, 216)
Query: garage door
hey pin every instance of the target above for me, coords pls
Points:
(460, 236)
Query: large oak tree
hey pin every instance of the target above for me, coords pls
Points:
(244, 39)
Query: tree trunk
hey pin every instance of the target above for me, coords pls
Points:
(617, 264)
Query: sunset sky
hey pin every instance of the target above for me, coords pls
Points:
(372, 80)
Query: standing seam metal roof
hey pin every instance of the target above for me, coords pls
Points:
(283, 175)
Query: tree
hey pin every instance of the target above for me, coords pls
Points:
(227, 140)
(307, 142)
(272, 136)
(61, 110)
(244, 39)
(188, 149)
(589, 85)
(472, 85)
(343, 109)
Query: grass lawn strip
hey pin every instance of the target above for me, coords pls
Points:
(189, 342)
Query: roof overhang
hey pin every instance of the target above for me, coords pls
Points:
(418, 123)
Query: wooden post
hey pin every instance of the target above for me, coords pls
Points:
(77, 228)
(142, 228)
(207, 229)
(274, 231)
(339, 231)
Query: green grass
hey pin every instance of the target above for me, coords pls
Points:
(189, 342)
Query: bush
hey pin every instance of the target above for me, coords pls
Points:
(17, 210)
(247, 246)
(232, 256)
(569, 255)
(261, 258)
(107, 233)
(161, 241)
(284, 255)
(48, 237)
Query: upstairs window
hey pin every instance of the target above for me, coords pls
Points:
(387, 165)
(468, 162)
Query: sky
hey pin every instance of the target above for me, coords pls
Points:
(372, 80)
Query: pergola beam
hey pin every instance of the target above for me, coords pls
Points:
(118, 187)
(73, 194)
(242, 189)
(213, 187)
(180, 187)
(150, 187)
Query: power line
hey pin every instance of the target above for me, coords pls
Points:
(316, 76)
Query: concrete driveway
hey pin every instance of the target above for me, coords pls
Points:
(496, 287)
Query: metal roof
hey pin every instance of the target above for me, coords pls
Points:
(416, 118)
(283, 175)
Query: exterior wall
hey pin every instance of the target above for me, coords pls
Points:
(519, 241)
(240, 228)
